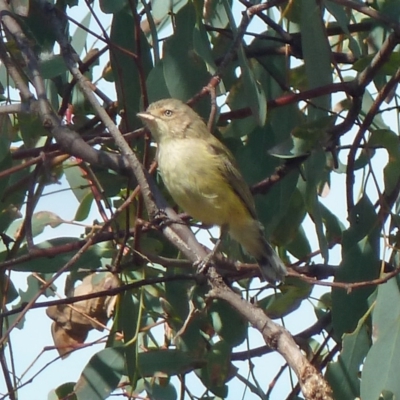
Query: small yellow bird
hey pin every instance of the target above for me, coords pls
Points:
(202, 177)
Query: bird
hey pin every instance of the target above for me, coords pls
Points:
(203, 178)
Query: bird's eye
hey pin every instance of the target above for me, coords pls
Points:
(168, 113)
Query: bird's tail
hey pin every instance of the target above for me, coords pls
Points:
(251, 237)
(271, 266)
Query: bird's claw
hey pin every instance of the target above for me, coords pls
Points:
(203, 265)
(161, 218)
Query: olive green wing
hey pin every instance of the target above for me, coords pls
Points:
(233, 176)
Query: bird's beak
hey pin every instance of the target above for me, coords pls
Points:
(145, 116)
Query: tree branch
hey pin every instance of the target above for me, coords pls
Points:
(276, 337)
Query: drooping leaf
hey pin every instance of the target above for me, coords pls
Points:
(101, 375)
(227, 322)
(314, 174)
(300, 246)
(382, 361)
(129, 321)
(343, 374)
(215, 373)
(378, 379)
(125, 68)
(317, 54)
(84, 207)
(254, 91)
(7, 135)
(80, 36)
(360, 262)
(288, 226)
(185, 72)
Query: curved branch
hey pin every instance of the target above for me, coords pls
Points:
(276, 337)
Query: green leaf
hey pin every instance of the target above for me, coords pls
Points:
(228, 323)
(304, 138)
(177, 296)
(215, 14)
(79, 38)
(201, 45)
(236, 100)
(38, 28)
(52, 95)
(125, 68)
(161, 8)
(111, 182)
(31, 128)
(191, 339)
(89, 260)
(387, 395)
(185, 72)
(360, 262)
(291, 148)
(101, 375)
(215, 373)
(343, 375)
(8, 134)
(387, 307)
(112, 6)
(74, 174)
(389, 68)
(52, 67)
(314, 174)
(84, 207)
(12, 203)
(10, 294)
(293, 292)
(255, 94)
(343, 19)
(317, 54)
(160, 391)
(390, 141)
(333, 226)
(367, 102)
(288, 226)
(64, 391)
(156, 86)
(300, 246)
(273, 206)
(129, 320)
(169, 362)
(253, 89)
(382, 363)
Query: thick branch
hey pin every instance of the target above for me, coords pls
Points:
(276, 337)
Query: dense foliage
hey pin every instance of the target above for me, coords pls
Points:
(304, 93)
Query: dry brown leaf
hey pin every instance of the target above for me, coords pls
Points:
(72, 322)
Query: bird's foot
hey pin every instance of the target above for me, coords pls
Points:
(203, 265)
(161, 219)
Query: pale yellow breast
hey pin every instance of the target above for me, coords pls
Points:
(192, 175)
